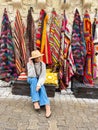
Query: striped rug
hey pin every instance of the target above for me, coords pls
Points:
(54, 38)
(20, 45)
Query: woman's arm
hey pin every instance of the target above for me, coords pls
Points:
(42, 76)
(30, 70)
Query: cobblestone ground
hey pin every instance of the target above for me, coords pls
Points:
(68, 113)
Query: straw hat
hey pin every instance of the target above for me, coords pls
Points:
(35, 54)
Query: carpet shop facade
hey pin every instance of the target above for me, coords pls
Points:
(65, 31)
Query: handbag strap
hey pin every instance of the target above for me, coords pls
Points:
(40, 69)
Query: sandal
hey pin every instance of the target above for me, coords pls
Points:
(36, 106)
(48, 115)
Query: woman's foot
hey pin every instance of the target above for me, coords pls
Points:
(48, 111)
(36, 105)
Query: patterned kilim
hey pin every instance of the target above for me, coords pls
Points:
(66, 61)
(39, 29)
(42, 40)
(20, 46)
(38, 35)
(89, 66)
(30, 32)
(54, 37)
(7, 57)
(47, 58)
(78, 44)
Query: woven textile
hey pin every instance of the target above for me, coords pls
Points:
(54, 37)
(20, 46)
(90, 59)
(41, 37)
(66, 61)
(30, 32)
(7, 57)
(38, 34)
(78, 44)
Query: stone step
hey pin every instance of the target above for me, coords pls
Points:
(80, 90)
(22, 88)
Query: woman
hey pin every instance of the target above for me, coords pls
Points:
(36, 78)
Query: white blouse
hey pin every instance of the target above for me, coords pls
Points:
(37, 70)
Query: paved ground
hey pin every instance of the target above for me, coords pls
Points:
(68, 113)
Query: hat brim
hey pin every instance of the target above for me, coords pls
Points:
(36, 56)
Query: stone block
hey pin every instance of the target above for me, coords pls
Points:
(23, 88)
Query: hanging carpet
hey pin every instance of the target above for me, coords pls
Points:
(90, 65)
(30, 33)
(20, 45)
(54, 38)
(66, 60)
(42, 39)
(7, 56)
(78, 44)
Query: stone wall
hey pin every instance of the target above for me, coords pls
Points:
(25, 4)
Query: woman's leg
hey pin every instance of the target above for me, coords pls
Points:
(43, 96)
(34, 93)
(44, 100)
(48, 111)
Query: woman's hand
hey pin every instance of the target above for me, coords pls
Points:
(38, 88)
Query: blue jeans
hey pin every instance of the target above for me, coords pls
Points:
(38, 96)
